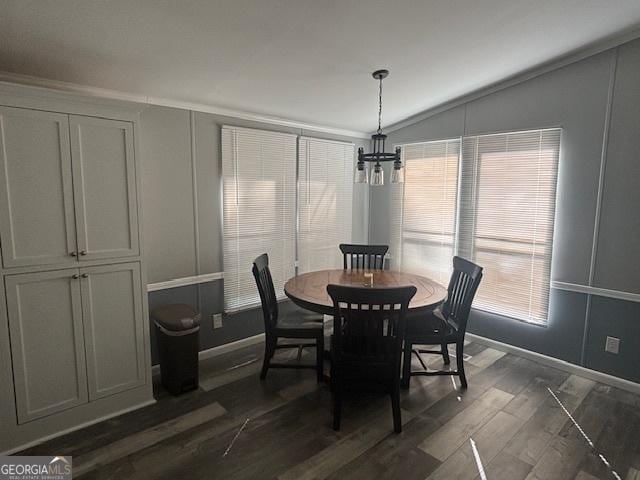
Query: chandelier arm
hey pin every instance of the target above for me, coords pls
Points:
(379, 157)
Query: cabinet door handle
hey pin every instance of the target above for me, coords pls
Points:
(85, 275)
(83, 252)
(73, 254)
(75, 276)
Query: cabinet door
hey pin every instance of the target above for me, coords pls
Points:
(112, 313)
(47, 345)
(36, 209)
(105, 187)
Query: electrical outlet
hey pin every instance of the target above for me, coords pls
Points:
(216, 318)
(612, 345)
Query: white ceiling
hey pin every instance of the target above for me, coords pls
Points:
(304, 60)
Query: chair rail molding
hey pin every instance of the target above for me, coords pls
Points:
(600, 292)
(184, 281)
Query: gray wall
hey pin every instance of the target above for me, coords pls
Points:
(181, 192)
(580, 98)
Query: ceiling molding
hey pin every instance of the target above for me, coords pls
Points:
(116, 95)
(103, 93)
(562, 61)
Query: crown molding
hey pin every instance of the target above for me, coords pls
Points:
(117, 95)
(107, 94)
(574, 56)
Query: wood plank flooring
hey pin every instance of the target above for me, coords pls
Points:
(525, 421)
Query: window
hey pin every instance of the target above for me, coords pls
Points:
(263, 203)
(325, 190)
(506, 190)
(259, 210)
(507, 214)
(425, 238)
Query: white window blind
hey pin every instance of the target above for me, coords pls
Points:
(492, 202)
(506, 218)
(259, 210)
(424, 234)
(325, 173)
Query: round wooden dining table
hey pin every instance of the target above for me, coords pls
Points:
(309, 290)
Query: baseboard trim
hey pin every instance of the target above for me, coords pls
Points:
(245, 342)
(78, 427)
(182, 282)
(230, 347)
(222, 349)
(605, 378)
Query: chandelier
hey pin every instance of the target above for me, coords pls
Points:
(378, 154)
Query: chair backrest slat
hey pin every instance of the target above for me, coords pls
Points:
(463, 285)
(264, 282)
(369, 257)
(369, 323)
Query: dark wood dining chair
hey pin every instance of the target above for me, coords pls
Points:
(299, 325)
(363, 256)
(445, 325)
(366, 345)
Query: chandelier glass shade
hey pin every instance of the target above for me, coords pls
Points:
(378, 153)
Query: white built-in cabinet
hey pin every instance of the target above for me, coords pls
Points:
(104, 188)
(75, 336)
(37, 219)
(70, 188)
(113, 336)
(71, 268)
(47, 342)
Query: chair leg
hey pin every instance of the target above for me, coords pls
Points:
(445, 354)
(320, 357)
(337, 401)
(406, 365)
(395, 407)
(460, 363)
(269, 349)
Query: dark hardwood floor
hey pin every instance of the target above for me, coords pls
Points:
(517, 420)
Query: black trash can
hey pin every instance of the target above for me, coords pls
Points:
(177, 329)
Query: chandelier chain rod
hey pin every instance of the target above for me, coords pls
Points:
(378, 153)
(380, 108)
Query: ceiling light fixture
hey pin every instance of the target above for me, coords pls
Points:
(378, 154)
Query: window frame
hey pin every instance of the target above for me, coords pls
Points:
(466, 240)
(245, 300)
(397, 253)
(305, 192)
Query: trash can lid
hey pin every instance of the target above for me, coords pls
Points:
(176, 317)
